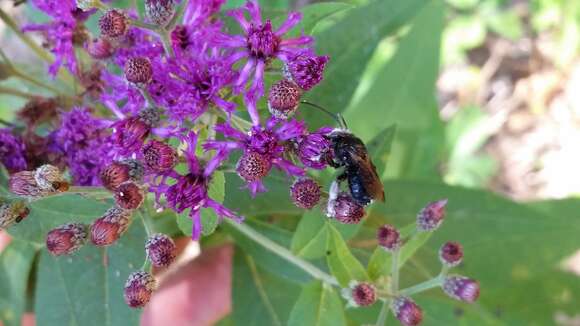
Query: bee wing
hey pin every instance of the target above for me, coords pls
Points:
(372, 181)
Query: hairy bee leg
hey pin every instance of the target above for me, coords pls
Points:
(332, 195)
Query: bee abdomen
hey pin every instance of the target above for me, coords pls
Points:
(357, 190)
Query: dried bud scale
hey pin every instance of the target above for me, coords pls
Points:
(129, 195)
(389, 237)
(107, 229)
(284, 98)
(160, 250)
(12, 212)
(138, 70)
(48, 177)
(159, 11)
(451, 254)
(138, 289)
(113, 24)
(431, 217)
(461, 288)
(305, 193)
(407, 311)
(66, 238)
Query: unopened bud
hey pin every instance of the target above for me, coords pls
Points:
(159, 11)
(284, 98)
(113, 24)
(129, 195)
(345, 209)
(305, 193)
(138, 70)
(461, 288)
(66, 238)
(24, 184)
(451, 254)
(109, 228)
(431, 217)
(253, 166)
(119, 172)
(159, 157)
(100, 49)
(360, 294)
(12, 212)
(407, 311)
(48, 177)
(161, 250)
(138, 289)
(389, 237)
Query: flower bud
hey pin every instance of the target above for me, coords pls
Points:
(161, 250)
(389, 237)
(109, 228)
(138, 289)
(129, 195)
(160, 11)
(24, 184)
(306, 70)
(100, 49)
(305, 193)
(360, 294)
(12, 212)
(159, 157)
(66, 239)
(461, 288)
(431, 217)
(407, 311)
(284, 98)
(121, 171)
(253, 166)
(313, 149)
(451, 254)
(48, 177)
(130, 133)
(113, 24)
(345, 209)
(138, 70)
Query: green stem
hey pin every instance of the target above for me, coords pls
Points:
(432, 283)
(383, 314)
(15, 92)
(395, 272)
(166, 39)
(282, 252)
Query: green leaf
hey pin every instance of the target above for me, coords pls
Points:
(15, 267)
(310, 238)
(318, 305)
(380, 148)
(311, 16)
(342, 263)
(87, 287)
(259, 297)
(350, 43)
(403, 94)
(209, 219)
(50, 212)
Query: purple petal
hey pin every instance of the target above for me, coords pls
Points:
(292, 20)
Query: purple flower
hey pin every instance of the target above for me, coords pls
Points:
(314, 149)
(130, 133)
(190, 191)
(198, 82)
(12, 151)
(83, 140)
(260, 44)
(305, 69)
(62, 32)
(197, 28)
(263, 147)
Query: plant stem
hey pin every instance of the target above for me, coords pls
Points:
(166, 39)
(383, 314)
(32, 80)
(15, 92)
(282, 252)
(432, 283)
(395, 272)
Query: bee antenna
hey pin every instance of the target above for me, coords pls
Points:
(337, 117)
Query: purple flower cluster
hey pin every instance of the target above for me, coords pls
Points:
(184, 80)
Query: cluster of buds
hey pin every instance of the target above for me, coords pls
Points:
(44, 181)
(405, 309)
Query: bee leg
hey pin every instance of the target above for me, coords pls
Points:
(332, 195)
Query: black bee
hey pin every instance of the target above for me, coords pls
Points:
(350, 152)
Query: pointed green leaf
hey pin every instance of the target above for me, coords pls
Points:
(15, 267)
(342, 263)
(318, 305)
(380, 148)
(310, 238)
(86, 288)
